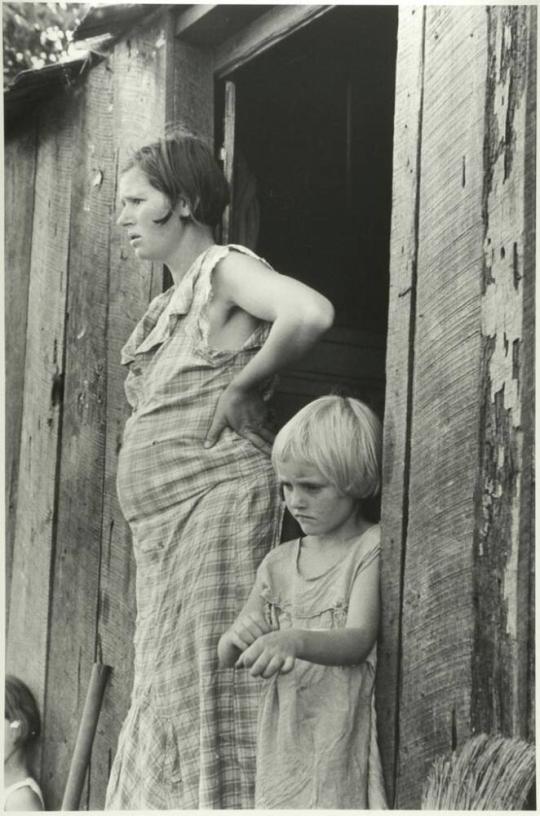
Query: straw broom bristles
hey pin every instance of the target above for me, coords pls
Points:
(487, 773)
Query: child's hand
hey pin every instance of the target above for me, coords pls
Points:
(245, 412)
(270, 654)
(246, 629)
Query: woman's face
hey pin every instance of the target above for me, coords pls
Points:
(142, 206)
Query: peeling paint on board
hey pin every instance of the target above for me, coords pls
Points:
(499, 653)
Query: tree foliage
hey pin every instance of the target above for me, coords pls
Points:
(36, 34)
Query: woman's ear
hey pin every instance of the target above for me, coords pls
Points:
(183, 208)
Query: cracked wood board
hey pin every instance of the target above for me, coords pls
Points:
(402, 298)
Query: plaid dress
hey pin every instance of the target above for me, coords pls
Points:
(201, 520)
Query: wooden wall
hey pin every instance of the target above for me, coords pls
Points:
(70, 268)
(456, 646)
(455, 652)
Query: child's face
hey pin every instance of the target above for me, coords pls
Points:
(318, 507)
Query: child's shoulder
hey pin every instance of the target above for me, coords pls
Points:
(372, 534)
(282, 554)
(368, 542)
(23, 796)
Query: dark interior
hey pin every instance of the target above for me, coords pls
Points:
(314, 128)
(314, 125)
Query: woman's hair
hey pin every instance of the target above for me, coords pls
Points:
(183, 166)
(21, 707)
(341, 437)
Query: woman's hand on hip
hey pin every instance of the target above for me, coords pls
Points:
(246, 413)
(270, 654)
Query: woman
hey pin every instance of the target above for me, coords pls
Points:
(194, 479)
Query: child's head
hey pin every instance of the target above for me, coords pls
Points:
(21, 713)
(183, 166)
(340, 437)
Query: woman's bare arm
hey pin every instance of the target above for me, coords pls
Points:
(299, 316)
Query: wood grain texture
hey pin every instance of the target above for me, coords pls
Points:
(191, 17)
(228, 157)
(503, 541)
(401, 320)
(437, 613)
(190, 90)
(76, 575)
(140, 68)
(27, 640)
(19, 176)
(527, 531)
(262, 34)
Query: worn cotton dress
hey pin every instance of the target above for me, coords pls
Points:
(317, 737)
(201, 520)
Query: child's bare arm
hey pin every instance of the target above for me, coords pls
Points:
(335, 647)
(299, 315)
(248, 626)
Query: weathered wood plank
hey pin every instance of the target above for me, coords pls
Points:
(27, 641)
(192, 17)
(401, 321)
(19, 175)
(190, 89)
(503, 543)
(437, 613)
(527, 532)
(141, 68)
(75, 588)
(263, 33)
(228, 156)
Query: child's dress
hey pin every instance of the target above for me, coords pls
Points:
(201, 520)
(317, 739)
(23, 783)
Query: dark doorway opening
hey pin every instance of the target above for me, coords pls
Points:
(312, 185)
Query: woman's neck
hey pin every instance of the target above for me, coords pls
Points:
(196, 239)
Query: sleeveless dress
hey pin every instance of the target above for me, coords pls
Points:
(201, 521)
(23, 783)
(317, 736)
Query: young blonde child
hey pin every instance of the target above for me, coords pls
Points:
(310, 624)
(21, 730)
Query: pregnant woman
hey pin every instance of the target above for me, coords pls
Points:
(195, 481)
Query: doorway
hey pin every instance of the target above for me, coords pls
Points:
(307, 128)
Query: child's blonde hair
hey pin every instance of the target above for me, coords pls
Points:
(341, 437)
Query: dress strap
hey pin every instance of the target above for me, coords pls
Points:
(203, 298)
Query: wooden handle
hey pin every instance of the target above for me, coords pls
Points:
(85, 737)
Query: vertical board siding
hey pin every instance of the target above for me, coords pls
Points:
(527, 531)
(75, 584)
(191, 93)
(43, 393)
(229, 159)
(437, 613)
(502, 552)
(19, 177)
(403, 258)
